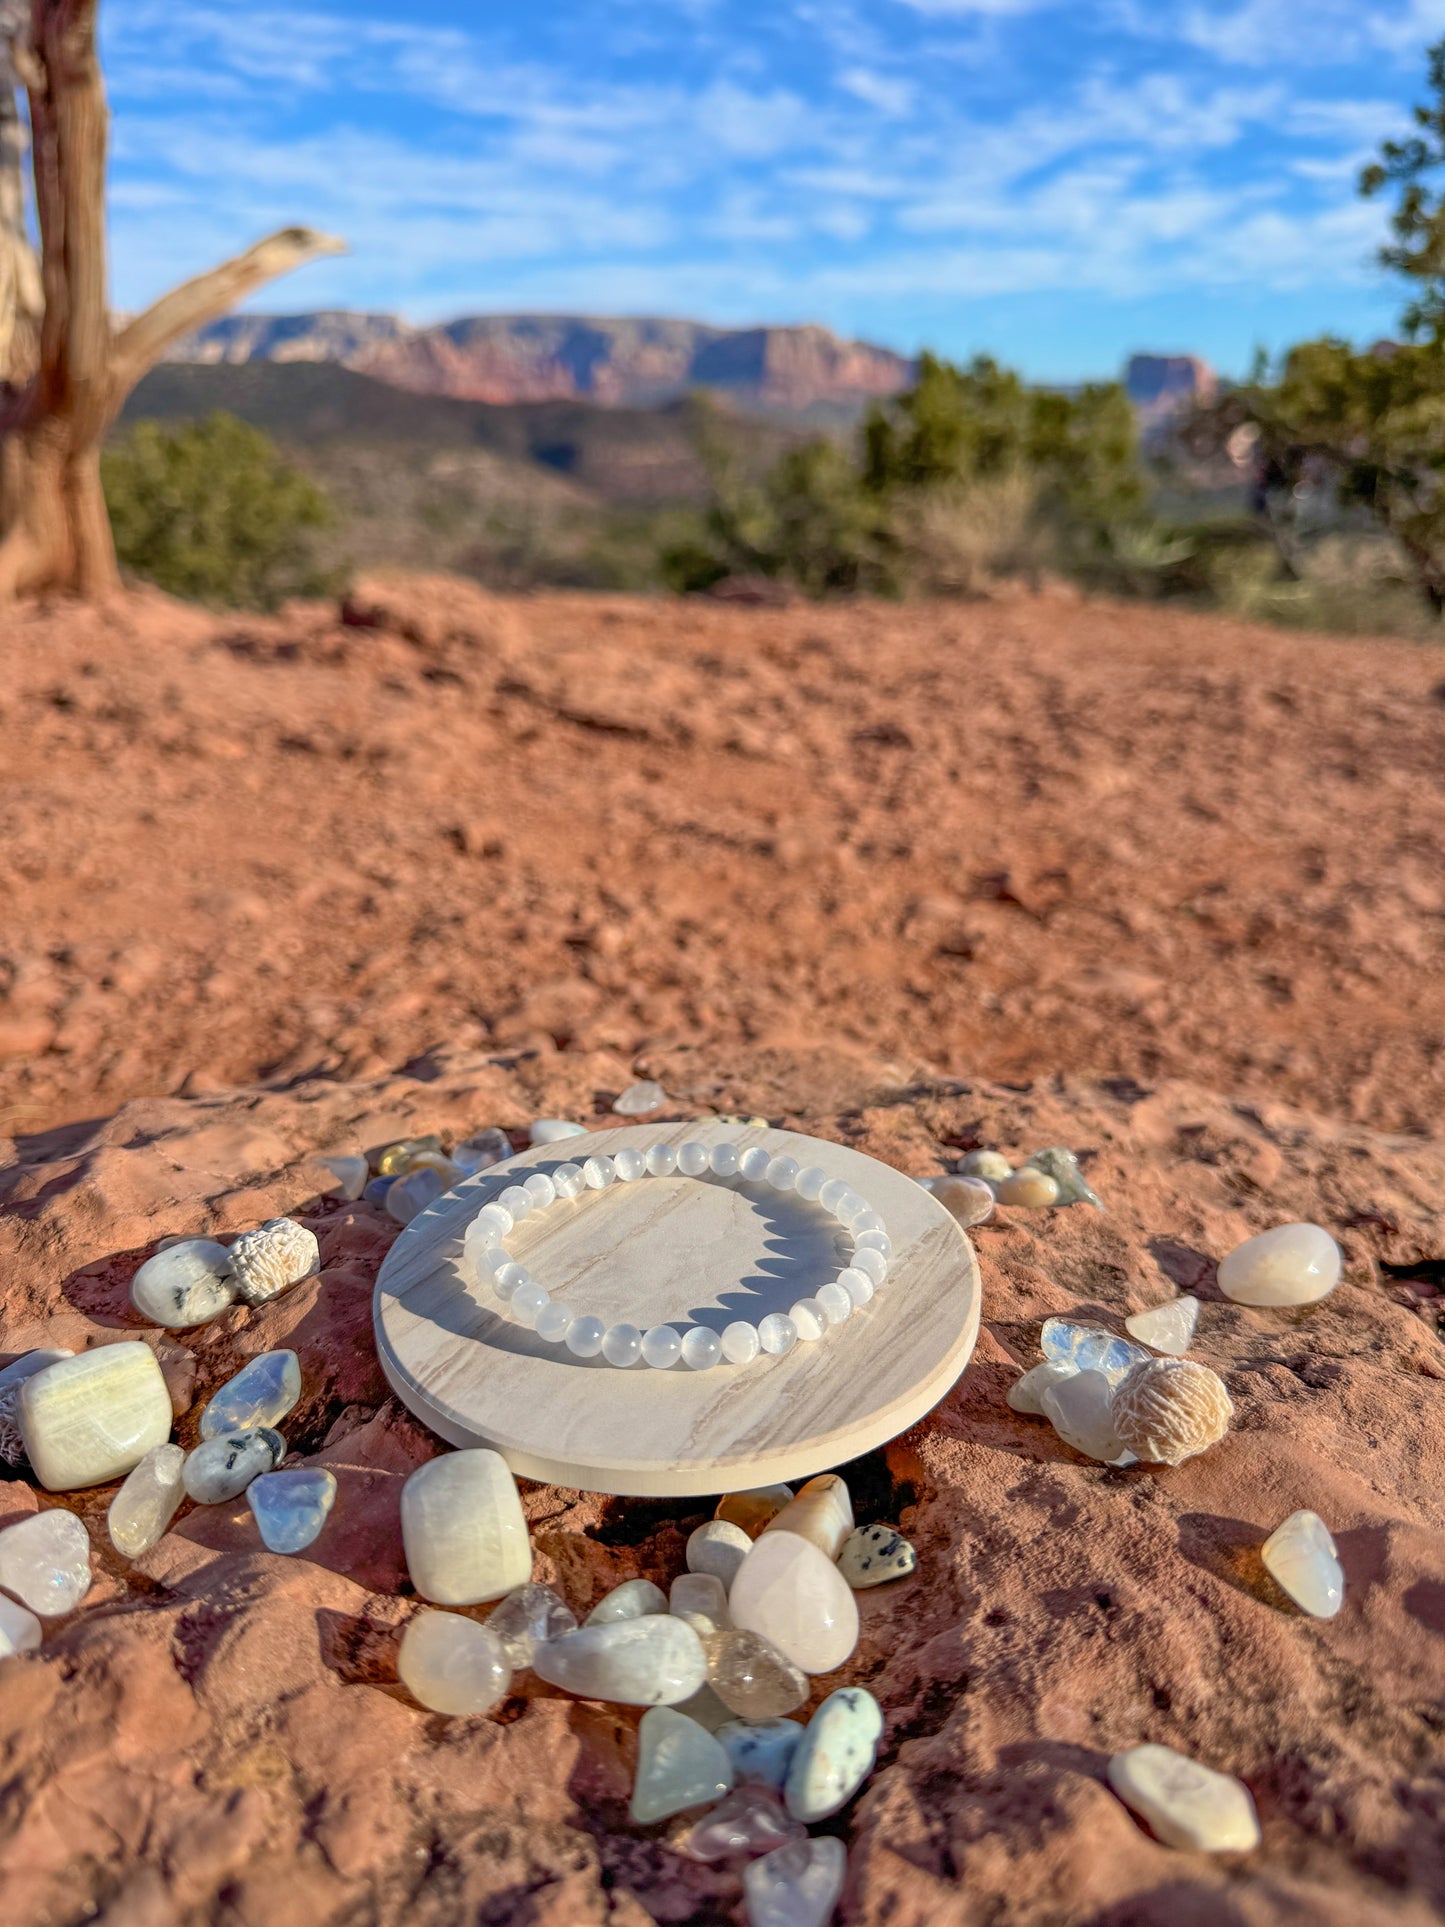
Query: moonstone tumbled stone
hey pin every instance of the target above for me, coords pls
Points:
(1186, 1804)
(1034, 1190)
(528, 1618)
(639, 1099)
(752, 1510)
(484, 1148)
(822, 1513)
(1300, 1556)
(452, 1665)
(463, 1529)
(45, 1562)
(752, 1678)
(797, 1885)
(185, 1284)
(1166, 1328)
(992, 1166)
(1089, 1348)
(290, 1508)
(748, 1822)
(653, 1661)
(350, 1173)
(679, 1765)
(792, 1594)
(91, 1418)
(702, 1600)
(835, 1755)
(633, 1599)
(1059, 1163)
(1026, 1394)
(1081, 1411)
(761, 1750)
(19, 1629)
(273, 1258)
(147, 1501)
(411, 1193)
(222, 1468)
(875, 1554)
(261, 1393)
(719, 1548)
(1295, 1264)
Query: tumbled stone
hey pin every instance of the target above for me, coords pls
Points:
(19, 1629)
(185, 1284)
(1081, 1410)
(719, 1548)
(835, 1755)
(679, 1765)
(291, 1507)
(463, 1529)
(1295, 1264)
(410, 1194)
(701, 1599)
(751, 1511)
(1166, 1328)
(1300, 1556)
(633, 1599)
(640, 1099)
(528, 1618)
(452, 1665)
(706, 1708)
(992, 1166)
(483, 1149)
(653, 1661)
(350, 1175)
(45, 1562)
(1033, 1190)
(748, 1822)
(273, 1258)
(1059, 1163)
(1186, 1805)
(751, 1677)
(822, 1513)
(873, 1555)
(1089, 1348)
(968, 1201)
(792, 1594)
(761, 1751)
(261, 1393)
(222, 1468)
(797, 1885)
(1169, 1409)
(12, 1445)
(392, 1159)
(552, 1130)
(147, 1501)
(91, 1418)
(1026, 1394)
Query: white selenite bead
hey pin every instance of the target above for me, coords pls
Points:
(835, 1755)
(868, 1224)
(552, 1130)
(45, 1562)
(754, 1162)
(693, 1159)
(777, 1334)
(585, 1335)
(1300, 1556)
(568, 1181)
(662, 1160)
(725, 1160)
(518, 1200)
(489, 1264)
(633, 1599)
(740, 1342)
(622, 1344)
(849, 1207)
(529, 1300)
(836, 1303)
(719, 1548)
(599, 1172)
(820, 1512)
(653, 1661)
(452, 1665)
(830, 1193)
(661, 1347)
(782, 1172)
(91, 1418)
(629, 1166)
(1166, 1328)
(796, 1886)
(554, 1321)
(701, 1348)
(788, 1591)
(147, 1501)
(857, 1284)
(540, 1189)
(1295, 1264)
(493, 1217)
(19, 1629)
(873, 1262)
(186, 1284)
(809, 1182)
(878, 1241)
(463, 1529)
(509, 1279)
(1187, 1805)
(810, 1321)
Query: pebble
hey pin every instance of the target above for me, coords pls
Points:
(748, 1822)
(1295, 1264)
(792, 1594)
(1034, 1190)
(91, 1418)
(19, 1629)
(12, 1445)
(375, 1192)
(1026, 1394)
(273, 1258)
(679, 1765)
(706, 1708)
(1171, 1409)
(1059, 1163)
(872, 1555)
(822, 1513)
(350, 1174)
(835, 1755)
(528, 1618)
(1186, 1805)
(969, 1201)
(750, 1511)
(1300, 1556)
(1089, 1348)
(409, 1195)
(291, 1507)
(452, 1665)
(992, 1166)
(463, 1529)
(761, 1750)
(1166, 1328)
(633, 1599)
(653, 1661)
(261, 1393)
(147, 1501)
(639, 1099)
(719, 1548)
(797, 1885)
(222, 1468)
(1080, 1409)
(45, 1562)
(702, 1600)
(483, 1149)
(394, 1158)
(752, 1678)
(552, 1130)
(186, 1284)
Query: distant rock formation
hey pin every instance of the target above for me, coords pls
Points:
(1161, 386)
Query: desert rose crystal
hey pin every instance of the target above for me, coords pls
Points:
(271, 1260)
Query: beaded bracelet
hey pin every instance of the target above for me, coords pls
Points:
(662, 1346)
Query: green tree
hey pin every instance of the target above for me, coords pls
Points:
(1418, 222)
(210, 511)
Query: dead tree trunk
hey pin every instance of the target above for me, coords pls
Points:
(56, 533)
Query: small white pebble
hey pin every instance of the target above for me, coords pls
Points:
(1186, 1805)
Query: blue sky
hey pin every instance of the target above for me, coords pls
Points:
(1056, 184)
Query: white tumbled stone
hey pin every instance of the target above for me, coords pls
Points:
(463, 1529)
(1186, 1805)
(992, 1166)
(1166, 1328)
(1300, 1556)
(702, 1600)
(261, 1393)
(452, 1665)
(12, 1445)
(820, 1511)
(968, 1201)
(1026, 1187)
(185, 1284)
(350, 1173)
(1026, 1394)
(761, 1750)
(19, 1629)
(273, 1258)
(91, 1418)
(1295, 1264)
(793, 1594)
(552, 1130)
(796, 1886)
(633, 1599)
(835, 1755)
(147, 1501)
(679, 1765)
(718, 1548)
(638, 1100)
(45, 1562)
(748, 1822)
(221, 1468)
(657, 1660)
(1080, 1409)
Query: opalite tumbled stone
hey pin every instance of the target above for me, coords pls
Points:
(653, 1661)
(1300, 1556)
(185, 1284)
(1059, 1163)
(1081, 1411)
(872, 1555)
(797, 1885)
(147, 1501)
(719, 1548)
(552, 1130)
(411, 1193)
(679, 1765)
(221, 1468)
(992, 1166)
(1089, 1348)
(1026, 1394)
(290, 1508)
(261, 1393)
(639, 1099)
(463, 1529)
(1295, 1264)
(761, 1750)
(1187, 1805)
(93, 1417)
(483, 1149)
(748, 1822)
(633, 1599)
(752, 1678)
(1166, 1328)
(702, 1600)
(273, 1258)
(45, 1562)
(968, 1201)
(822, 1513)
(1034, 1190)
(19, 1629)
(528, 1618)
(835, 1755)
(793, 1594)
(752, 1510)
(452, 1665)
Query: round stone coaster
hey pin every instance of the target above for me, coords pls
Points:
(677, 1251)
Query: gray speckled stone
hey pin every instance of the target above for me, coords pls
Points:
(835, 1755)
(874, 1554)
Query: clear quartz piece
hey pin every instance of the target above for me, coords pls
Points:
(185, 1284)
(552, 1130)
(1166, 1328)
(656, 1660)
(751, 1677)
(409, 1195)
(1186, 1804)
(45, 1562)
(147, 1501)
(835, 1755)
(19, 1628)
(290, 1508)
(750, 1821)
(797, 1885)
(483, 1149)
(350, 1173)
(528, 1618)
(633, 1599)
(261, 1393)
(640, 1099)
(1059, 1163)
(701, 1599)
(1300, 1556)
(450, 1664)
(222, 1467)
(679, 1765)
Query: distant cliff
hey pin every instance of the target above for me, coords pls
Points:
(1162, 386)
